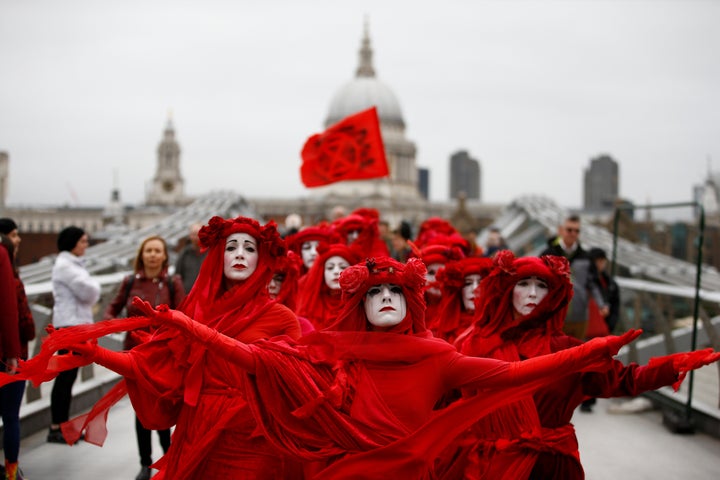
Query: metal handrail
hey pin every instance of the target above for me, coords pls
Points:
(685, 424)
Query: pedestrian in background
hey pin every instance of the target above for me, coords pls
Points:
(567, 244)
(151, 282)
(11, 395)
(74, 294)
(191, 257)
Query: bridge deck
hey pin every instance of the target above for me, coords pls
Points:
(612, 446)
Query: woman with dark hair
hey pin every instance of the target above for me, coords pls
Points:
(151, 282)
(360, 394)
(519, 315)
(74, 294)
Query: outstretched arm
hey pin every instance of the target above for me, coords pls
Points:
(118, 362)
(215, 341)
(595, 355)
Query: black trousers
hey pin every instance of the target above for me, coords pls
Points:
(144, 439)
(61, 396)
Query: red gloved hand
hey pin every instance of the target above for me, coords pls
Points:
(158, 315)
(687, 361)
(615, 343)
(611, 344)
(86, 349)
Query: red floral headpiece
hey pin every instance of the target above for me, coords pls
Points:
(440, 253)
(267, 236)
(452, 277)
(322, 232)
(356, 280)
(382, 270)
(494, 310)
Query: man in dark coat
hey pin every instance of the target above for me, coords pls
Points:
(567, 244)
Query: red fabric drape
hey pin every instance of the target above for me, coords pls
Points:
(352, 149)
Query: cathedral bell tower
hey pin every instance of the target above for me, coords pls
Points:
(168, 185)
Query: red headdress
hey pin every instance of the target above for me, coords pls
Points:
(494, 311)
(434, 227)
(322, 232)
(368, 241)
(316, 301)
(209, 298)
(356, 280)
(452, 318)
(440, 253)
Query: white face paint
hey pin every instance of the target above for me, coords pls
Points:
(275, 284)
(352, 236)
(468, 290)
(333, 267)
(308, 251)
(527, 294)
(241, 257)
(385, 305)
(432, 270)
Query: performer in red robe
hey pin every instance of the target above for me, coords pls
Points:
(519, 316)
(360, 230)
(305, 243)
(435, 256)
(320, 295)
(459, 281)
(176, 382)
(361, 394)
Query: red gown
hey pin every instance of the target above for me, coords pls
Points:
(365, 399)
(533, 437)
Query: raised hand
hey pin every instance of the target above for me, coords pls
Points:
(684, 362)
(86, 349)
(158, 314)
(615, 343)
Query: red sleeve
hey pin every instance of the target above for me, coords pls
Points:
(591, 356)
(630, 380)
(9, 334)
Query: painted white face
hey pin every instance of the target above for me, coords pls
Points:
(333, 267)
(385, 305)
(528, 293)
(468, 290)
(352, 236)
(275, 285)
(308, 251)
(241, 257)
(430, 275)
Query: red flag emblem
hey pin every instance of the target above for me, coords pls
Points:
(352, 149)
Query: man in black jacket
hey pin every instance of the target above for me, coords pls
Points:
(567, 244)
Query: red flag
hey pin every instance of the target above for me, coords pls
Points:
(352, 149)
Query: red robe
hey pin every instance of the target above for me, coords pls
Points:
(365, 400)
(533, 438)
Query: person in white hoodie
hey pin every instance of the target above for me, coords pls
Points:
(74, 292)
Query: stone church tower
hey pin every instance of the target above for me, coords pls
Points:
(168, 185)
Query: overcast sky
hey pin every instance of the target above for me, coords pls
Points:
(532, 89)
